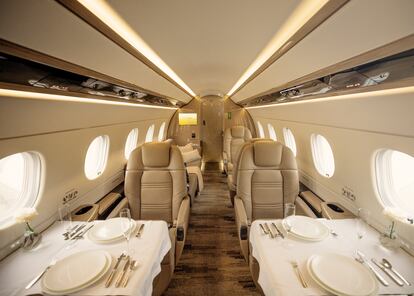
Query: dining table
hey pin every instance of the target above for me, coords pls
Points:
(278, 276)
(21, 267)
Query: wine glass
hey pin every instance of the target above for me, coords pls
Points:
(290, 210)
(126, 224)
(65, 220)
(361, 225)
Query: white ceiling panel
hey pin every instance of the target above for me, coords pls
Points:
(48, 27)
(356, 28)
(209, 44)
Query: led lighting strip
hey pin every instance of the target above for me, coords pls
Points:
(53, 97)
(102, 10)
(383, 92)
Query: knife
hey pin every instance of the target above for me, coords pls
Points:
(113, 271)
(121, 276)
(278, 231)
(82, 233)
(263, 229)
(75, 233)
(269, 230)
(141, 228)
(392, 276)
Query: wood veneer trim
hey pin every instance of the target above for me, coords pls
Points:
(91, 19)
(392, 48)
(315, 21)
(43, 58)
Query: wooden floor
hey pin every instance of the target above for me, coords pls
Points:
(211, 263)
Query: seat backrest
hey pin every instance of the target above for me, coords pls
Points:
(155, 182)
(267, 179)
(234, 138)
(237, 161)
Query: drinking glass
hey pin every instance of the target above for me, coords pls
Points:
(126, 225)
(290, 210)
(362, 222)
(65, 219)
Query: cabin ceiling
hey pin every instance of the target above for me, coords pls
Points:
(208, 44)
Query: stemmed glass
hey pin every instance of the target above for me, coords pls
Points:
(361, 224)
(65, 220)
(126, 225)
(290, 210)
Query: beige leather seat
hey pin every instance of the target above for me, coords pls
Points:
(267, 179)
(232, 178)
(233, 140)
(156, 189)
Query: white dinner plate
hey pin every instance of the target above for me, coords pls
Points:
(342, 275)
(76, 272)
(109, 231)
(306, 228)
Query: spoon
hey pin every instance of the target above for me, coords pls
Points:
(387, 264)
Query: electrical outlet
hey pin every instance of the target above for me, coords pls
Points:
(70, 196)
(348, 193)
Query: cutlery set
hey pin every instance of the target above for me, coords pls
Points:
(268, 231)
(123, 277)
(386, 267)
(77, 232)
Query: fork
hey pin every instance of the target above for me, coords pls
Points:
(361, 259)
(296, 267)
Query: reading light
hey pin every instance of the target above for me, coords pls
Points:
(53, 97)
(280, 40)
(384, 92)
(102, 10)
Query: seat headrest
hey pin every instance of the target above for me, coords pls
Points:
(267, 153)
(156, 154)
(237, 131)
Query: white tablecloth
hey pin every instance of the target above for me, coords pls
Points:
(18, 269)
(274, 256)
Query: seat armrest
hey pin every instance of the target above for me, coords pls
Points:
(241, 218)
(181, 227)
(121, 205)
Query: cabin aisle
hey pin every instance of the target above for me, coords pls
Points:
(211, 263)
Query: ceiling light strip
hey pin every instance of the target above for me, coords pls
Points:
(307, 17)
(103, 18)
(46, 94)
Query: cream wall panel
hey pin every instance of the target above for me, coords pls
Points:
(62, 132)
(48, 27)
(354, 142)
(356, 28)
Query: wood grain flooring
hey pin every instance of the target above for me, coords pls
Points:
(211, 263)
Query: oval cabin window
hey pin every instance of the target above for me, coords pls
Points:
(161, 132)
(96, 157)
(150, 134)
(395, 179)
(323, 157)
(289, 139)
(272, 133)
(131, 142)
(19, 183)
(261, 130)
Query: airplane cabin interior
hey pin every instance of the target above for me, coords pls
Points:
(192, 147)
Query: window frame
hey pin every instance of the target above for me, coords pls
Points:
(32, 182)
(383, 179)
(319, 157)
(289, 140)
(102, 159)
(161, 132)
(261, 130)
(131, 142)
(150, 137)
(272, 132)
